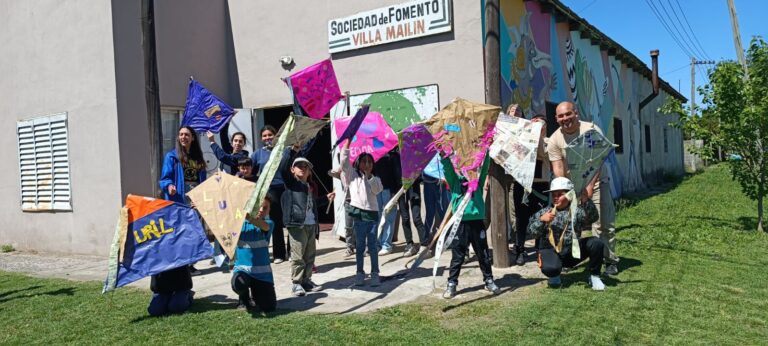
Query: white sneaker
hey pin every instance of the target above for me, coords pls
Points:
(385, 252)
(597, 284)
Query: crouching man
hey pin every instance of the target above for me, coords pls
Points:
(556, 228)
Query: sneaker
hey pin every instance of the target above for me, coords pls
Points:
(245, 303)
(278, 260)
(349, 252)
(375, 281)
(555, 281)
(360, 279)
(490, 286)
(410, 250)
(385, 252)
(450, 291)
(298, 291)
(310, 286)
(596, 283)
(611, 270)
(520, 256)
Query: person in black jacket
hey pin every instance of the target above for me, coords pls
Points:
(300, 218)
(172, 292)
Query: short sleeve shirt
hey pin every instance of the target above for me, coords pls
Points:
(559, 140)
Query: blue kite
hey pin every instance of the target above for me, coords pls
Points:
(204, 110)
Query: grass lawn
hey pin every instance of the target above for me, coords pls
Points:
(693, 272)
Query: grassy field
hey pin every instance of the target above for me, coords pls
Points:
(693, 272)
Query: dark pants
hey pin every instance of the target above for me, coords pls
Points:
(410, 205)
(523, 212)
(349, 227)
(262, 292)
(279, 249)
(170, 303)
(470, 232)
(552, 263)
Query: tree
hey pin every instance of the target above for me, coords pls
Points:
(736, 119)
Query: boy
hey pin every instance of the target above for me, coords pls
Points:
(555, 230)
(252, 278)
(300, 217)
(245, 169)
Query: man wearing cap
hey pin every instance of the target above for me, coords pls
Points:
(300, 218)
(556, 228)
(598, 190)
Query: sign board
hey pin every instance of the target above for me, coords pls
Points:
(390, 24)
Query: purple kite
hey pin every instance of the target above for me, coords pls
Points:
(374, 136)
(353, 126)
(316, 88)
(415, 152)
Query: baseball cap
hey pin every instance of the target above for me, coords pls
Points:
(560, 183)
(301, 159)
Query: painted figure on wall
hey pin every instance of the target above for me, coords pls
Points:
(532, 75)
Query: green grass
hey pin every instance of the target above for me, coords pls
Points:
(7, 248)
(693, 272)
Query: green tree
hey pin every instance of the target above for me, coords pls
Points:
(735, 118)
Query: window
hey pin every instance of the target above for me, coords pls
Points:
(44, 163)
(647, 139)
(618, 135)
(666, 145)
(170, 120)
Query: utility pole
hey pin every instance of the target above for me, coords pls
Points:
(695, 62)
(737, 36)
(498, 189)
(151, 91)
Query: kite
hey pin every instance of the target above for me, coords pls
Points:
(585, 155)
(204, 111)
(352, 126)
(269, 170)
(515, 147)
(374, 136)
(316, 88)
(152, 236)
(434, 168)
(221, 199)
(304, 130)
(415, 153)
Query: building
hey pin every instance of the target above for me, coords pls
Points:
(76, 134)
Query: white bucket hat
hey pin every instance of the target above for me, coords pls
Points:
(560, 183)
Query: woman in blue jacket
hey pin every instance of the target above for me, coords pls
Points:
(183, 169)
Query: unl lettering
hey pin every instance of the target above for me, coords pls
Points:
(151, 230)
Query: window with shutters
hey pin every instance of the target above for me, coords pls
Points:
(44, 164)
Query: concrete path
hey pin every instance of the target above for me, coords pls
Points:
(335, 274)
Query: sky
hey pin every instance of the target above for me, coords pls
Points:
(633, 24)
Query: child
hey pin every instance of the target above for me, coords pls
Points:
(300, 217)
(471, 228)
(362, 186)
(252, 278)
(551, 227)
(245, 169)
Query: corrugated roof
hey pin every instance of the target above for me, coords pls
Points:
(562, 13)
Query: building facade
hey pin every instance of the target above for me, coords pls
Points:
(79, 66)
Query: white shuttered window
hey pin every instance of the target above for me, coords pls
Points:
(44, 164)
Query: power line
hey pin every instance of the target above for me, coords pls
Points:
(693, 33)
(680, 35)
(677, 69)
(666, 27)
(586, 7)
(690, 40)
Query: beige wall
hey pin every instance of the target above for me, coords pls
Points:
(58, 57)
(453, 61)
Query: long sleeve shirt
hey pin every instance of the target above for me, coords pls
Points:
(586, 214)
(475, 210)
(362, 191)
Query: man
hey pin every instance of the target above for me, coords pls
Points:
(558, 227)
(598, 190)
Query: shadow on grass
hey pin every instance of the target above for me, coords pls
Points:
(507, 283)
(579, 274)
(4, 294)
(69, 291)
(744, 223)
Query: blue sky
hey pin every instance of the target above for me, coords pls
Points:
(633, 24)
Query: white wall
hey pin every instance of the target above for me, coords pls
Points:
(58, 57)
(264, 31)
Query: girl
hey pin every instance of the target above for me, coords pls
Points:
(363, 186)
(229, 161)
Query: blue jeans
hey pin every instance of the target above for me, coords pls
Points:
(170, 303)
(365, 235)
(385, 240)
(436, 200)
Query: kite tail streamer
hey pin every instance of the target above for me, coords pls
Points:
(485, 143)
(423, 253)
(388, 207)
(116, 251)
(265, 179)
(575, 249)
(453, 224)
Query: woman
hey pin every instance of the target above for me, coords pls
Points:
(229, 161)
(276, 188)
(183, 169)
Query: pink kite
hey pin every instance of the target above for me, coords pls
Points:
(316, 88)
(374, 136)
